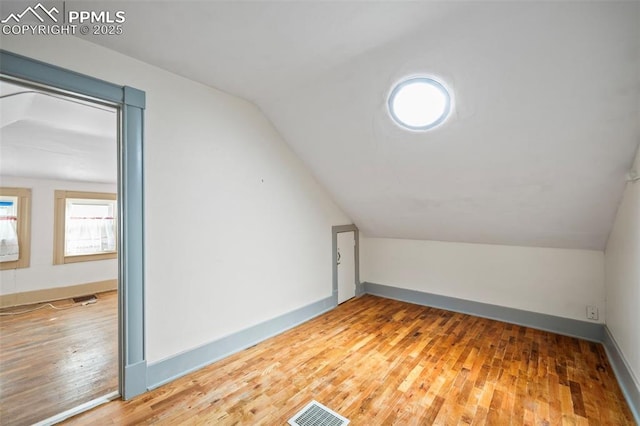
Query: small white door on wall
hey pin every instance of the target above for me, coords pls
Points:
(346, 266)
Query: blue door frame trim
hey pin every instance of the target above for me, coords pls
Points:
(131, 256)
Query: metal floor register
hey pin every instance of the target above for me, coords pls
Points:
(316, 414)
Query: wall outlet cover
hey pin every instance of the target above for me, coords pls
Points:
(592, 312)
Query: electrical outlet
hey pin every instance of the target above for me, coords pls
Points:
(592, 312)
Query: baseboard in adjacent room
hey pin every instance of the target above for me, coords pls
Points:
(57, 293)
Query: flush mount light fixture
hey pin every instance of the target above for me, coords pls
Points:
(419, 103)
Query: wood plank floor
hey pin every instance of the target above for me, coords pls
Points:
(54, 360)
(382, 362)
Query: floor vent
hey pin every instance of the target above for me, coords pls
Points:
(86, 298)
(316, 414)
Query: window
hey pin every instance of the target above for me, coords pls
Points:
(85, 227)
(15, 228)
(419, 103)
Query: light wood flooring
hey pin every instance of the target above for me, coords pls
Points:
(54, 360)
(384, 362)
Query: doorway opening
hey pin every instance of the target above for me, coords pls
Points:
(59, 274)
(130, 103)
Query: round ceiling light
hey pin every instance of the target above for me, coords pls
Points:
(419, 103)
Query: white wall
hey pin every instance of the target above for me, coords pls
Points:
(551, 281)
(622, 272)
(42, 273)
(237, 230)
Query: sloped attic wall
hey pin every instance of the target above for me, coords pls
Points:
(237, 230)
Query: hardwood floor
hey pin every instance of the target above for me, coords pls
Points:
(379, 362)
(54, 360)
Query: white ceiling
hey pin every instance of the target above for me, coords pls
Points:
(545, 124)
(55, 137)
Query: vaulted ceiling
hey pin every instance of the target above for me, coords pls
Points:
(546, 115)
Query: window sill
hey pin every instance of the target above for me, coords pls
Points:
(87, 258)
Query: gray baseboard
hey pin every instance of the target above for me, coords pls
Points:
(171, 368)
(176, 366)
(628, 383)
(566, 326)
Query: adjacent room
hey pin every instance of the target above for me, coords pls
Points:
(58, 260)
(383, 212)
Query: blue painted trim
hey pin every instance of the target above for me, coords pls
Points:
(136, 375)
(134, 97)
(132, 248)
(19, 66)
(628, 383)
(131, 101)
(566, 326)
(170, 369)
